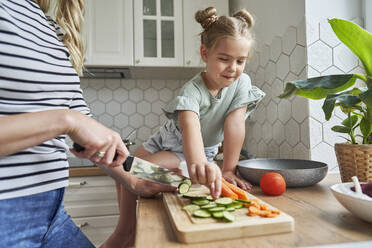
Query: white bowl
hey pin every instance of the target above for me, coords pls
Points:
(359, 205)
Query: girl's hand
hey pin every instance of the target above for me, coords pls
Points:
(146, 188)
(238, 181)
(209, 174)
(100, 142)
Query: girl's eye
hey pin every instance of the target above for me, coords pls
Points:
(240, 62)
(223, 59)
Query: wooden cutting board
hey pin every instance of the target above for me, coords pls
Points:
(189, 229)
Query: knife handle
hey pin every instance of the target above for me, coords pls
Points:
(80, 148)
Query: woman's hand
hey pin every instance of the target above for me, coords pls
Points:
(100, 143)
(207, 173)
(234, 179)
(146, 188)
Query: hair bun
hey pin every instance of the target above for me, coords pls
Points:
(245, 16)
(206, 17)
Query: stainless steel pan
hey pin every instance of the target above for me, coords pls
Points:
(296, 172)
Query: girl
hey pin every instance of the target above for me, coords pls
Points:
(210, 108)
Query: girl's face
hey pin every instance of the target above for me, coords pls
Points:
(225, 62)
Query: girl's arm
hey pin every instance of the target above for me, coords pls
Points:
(234, 134)
(200, 170)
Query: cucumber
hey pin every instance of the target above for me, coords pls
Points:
(194, 197)
(228, 216)
(243, 201)
(235, 205)
(210, 205)
(191, 207)
(216, 209)
(217, 215)
(201, 213)
(224, 201)
(200, 202)
(230, 209)
(210, 198)
(183, 188)
(187, 181)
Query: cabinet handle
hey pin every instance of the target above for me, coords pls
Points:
(188, 62)
(137, 61)
(78, 183)
(83, 225)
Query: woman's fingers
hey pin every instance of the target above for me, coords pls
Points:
(201, 175)
(192, 173)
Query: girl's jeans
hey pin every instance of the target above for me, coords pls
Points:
(39, 220)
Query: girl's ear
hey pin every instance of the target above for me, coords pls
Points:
(203, 52)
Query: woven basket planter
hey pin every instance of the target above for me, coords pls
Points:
(354, 160)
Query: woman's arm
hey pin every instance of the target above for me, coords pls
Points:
(234, 134)
(200, 170)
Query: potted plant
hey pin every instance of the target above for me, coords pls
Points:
(355, 156)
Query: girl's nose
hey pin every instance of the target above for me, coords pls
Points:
(232, 66)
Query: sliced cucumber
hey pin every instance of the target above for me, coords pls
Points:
(183, 188)
(191, 207)
(217, 215)
(243, 201)
(228, 216)
(224, 201)
(201, 213)
(235, 205)
(216, 209)
(200, 202)
(210, 198)
(195, 197)
(210, 205)
(230, 209)
(187, 181)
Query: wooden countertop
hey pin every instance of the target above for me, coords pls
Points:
(319, 219)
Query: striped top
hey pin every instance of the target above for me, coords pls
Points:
(35, 75)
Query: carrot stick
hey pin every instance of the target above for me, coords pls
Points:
(242, 195)
(227, 192)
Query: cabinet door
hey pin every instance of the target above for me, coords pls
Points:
(108, 32)
(158, 33)
(192, 29)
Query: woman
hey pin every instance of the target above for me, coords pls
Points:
(40, 103)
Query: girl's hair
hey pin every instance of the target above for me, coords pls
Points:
(69, 16)
(217, 27)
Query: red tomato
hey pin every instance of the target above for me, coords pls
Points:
(272, 184)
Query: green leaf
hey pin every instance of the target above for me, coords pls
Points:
(366, 97)
(365, 127)
(341, 129)
(318, 87)
(357, 39)
(347, 100)
(350, 121)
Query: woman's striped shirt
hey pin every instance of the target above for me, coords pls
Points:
(35, 75)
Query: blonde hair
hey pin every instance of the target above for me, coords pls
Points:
(69, 16)
(217, 27)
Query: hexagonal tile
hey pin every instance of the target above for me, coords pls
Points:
(90, 95)
(128, 108)
(290, 77)
(144, 108)
(316, 111)
(270, 72)
(97, 108)
(282, 66)
(324, 153)
(272, 112)
(301, 152)
(136, 95)
(260, 113)
(278, 132)
(275, 48)
(311, 72)
(305, 133)
(136, 120)
(162, 119)
(96, 83)
(112, 84)
(332, 70)
(160, 84)
(113, 108)
(289, 40)
(300, 109)
(292, 132)
(165, 95)
(121, 120)
(151, 95)
(253, 149)
(105, 95)
(276, 89)
(253, 62)
(265, 55)
(315, 132)
(84, 83)
(128, 84)
(143, 84)
(301, 33)
(273, 150)
(144, 133)
(303, 73)
(262, 149)
(120, 95)
(152, 120)
(156, 107)
(327, 35)
(257, 132)
(338, 112)
(268, 132)
(319, 56)
(106, 120)
(344, 59)
(329, 136)
(312, 30)
(267, 89)
(171, 84)
(285, 150)
(297, 59)
(260, 77)
(284, 110)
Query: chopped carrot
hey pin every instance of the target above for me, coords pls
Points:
(264, 207)
(227, 192)
(241, 193)
(275, 211)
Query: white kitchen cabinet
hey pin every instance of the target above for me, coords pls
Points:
(92, 204)
(108, 32)
(158, 36)
(192, 29)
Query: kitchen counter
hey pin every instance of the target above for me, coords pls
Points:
(319, 220)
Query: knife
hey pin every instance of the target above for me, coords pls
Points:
(147, 170)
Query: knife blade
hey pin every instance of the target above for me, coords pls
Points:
(152, 172)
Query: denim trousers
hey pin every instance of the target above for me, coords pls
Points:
(39, 220)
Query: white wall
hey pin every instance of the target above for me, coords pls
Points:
(346, 9)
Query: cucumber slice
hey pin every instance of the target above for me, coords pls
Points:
(224, 201)
(195, 197)
(210, 198)
(217, 215)
(243, 201)
(191, 207)
(228, 216)
(183, 188)
(201, 213)
(210, 205)
(230, 209)
(187, 181)
(200, 202)
(235, 205)
(216, 209)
